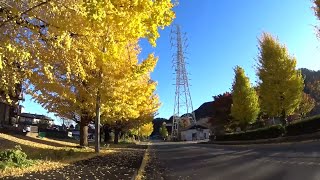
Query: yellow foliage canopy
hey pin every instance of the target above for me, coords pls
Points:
(281, 85)
(67, 50)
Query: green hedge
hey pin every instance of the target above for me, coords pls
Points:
(261, 133)
(308, 125)
(55, 134)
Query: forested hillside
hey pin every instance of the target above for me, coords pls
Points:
(312, 87)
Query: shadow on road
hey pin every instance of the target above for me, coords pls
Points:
(207, 161)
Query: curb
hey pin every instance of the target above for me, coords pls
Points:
(306, 137)
(145, 159)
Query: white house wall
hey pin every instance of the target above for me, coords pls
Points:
(200, 135)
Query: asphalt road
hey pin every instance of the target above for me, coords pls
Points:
(291, 161)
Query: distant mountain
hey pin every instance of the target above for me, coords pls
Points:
(310, 75)
(312, 87)
(205, 110)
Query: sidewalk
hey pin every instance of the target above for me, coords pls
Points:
(305, 137)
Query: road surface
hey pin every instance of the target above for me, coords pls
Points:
(288, 161)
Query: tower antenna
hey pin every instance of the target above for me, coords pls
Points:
(182, 100)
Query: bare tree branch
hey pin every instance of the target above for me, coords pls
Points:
(25, 12)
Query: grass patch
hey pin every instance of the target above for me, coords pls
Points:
(14, 158)
(46, 154)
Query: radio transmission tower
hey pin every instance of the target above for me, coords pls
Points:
(182, 100)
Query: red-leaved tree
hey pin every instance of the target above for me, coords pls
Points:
(222, 109)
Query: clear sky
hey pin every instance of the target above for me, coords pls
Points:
(223, 34)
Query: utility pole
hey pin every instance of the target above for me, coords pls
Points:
(97, 120)
(97, 124)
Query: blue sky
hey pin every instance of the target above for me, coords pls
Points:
(223, 34)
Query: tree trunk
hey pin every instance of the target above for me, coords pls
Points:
(284, 118)
(106, 133)
(84, 131)
(116, 136)
(106, 136)
(122, 135)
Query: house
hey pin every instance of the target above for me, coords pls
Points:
(195, 132)
(34, 119)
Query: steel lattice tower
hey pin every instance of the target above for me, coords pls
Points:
(182, 100)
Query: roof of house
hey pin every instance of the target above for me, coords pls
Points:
(35, 116)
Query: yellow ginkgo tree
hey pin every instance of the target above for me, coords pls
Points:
(69, 51)
(280, 83)
(245, 101)
(133, 102)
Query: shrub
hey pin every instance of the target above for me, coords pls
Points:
(261, 133)
(308, 125)
(14, 158)
(55, 134)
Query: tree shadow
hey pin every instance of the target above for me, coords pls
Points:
(38, 153)
(41, 141)
(120, 165)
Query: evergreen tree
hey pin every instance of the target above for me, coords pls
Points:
(163, 131)
(245, 108)
(280, 83)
